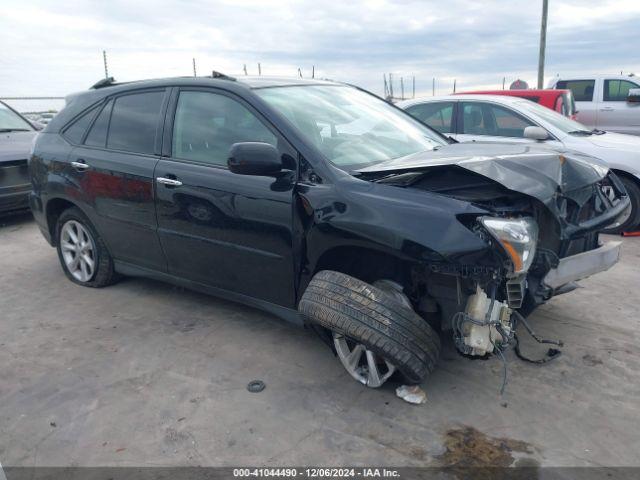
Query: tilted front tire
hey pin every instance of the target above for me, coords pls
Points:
(82, 252)
(363, 314)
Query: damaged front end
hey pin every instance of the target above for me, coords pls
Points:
(542, 211)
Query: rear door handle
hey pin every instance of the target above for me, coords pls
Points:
(80, 165)
(607, 109)
(170, 182)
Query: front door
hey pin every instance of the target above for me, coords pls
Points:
(487, 122)
(614, 112)
(218, 228)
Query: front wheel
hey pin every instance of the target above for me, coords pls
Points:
(374, 332)
(631, 217)
(82, 252)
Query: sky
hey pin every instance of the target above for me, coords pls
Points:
(55, 47)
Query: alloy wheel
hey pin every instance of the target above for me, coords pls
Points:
(362, 364)
(78, 250)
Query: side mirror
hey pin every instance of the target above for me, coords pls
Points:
(254, 158)
(536, 133)
(634, 95)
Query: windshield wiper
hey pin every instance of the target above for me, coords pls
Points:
(7, 130)
(595, 131)
(586, 133)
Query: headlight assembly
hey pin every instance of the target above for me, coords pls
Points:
(518, 237)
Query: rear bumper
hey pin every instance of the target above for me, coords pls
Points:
(583, 265)
(14, 197)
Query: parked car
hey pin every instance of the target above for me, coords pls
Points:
(16, 135)
(322, 204)
(605, 102)
(484, 118)
(560, 101)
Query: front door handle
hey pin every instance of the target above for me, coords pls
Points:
(170, 182)
(607, 109)
(81, 165)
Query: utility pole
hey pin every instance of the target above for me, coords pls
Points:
(104, 58)
(402, 88)
(433, 87)
(413, 87)
(313, 71)
(259, 69)
(543, 43)
(194, 68)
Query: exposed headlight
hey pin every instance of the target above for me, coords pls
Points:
(518, 237)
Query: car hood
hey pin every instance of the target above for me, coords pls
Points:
(15, 145)
(614, 140)
(537, 171)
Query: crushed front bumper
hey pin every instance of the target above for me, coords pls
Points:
(583, 265)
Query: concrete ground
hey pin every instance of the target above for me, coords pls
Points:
(143, 373)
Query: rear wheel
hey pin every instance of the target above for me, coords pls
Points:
(83, 255)
(375, 333)
(631, 217)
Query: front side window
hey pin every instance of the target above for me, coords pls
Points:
(134, 121)
(207, 124)
(10, 121)
(351, 128)
(582, 89)
(486, 119)
(438, 116)
(617, 90)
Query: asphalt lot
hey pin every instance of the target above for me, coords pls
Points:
(146, 374)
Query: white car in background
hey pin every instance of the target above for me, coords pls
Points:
(606, 102)
(488, 118)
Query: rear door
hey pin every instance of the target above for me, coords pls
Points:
(615, 113)
(114, 167)
(218, 228)
(585, 97)
(438, 115)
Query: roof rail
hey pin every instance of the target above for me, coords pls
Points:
(105, 82)
(222, 76)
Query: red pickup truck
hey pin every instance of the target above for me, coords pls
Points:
(559, 100)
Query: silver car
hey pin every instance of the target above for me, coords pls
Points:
(493, 118)
(16, 135)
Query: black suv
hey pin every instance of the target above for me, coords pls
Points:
(323, 204)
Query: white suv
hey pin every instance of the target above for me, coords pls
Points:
(605, 102)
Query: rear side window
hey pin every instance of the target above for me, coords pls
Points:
(97, 136)
(75, 132)
(582, 89)
(617, 90)
(134, 121)
(438, 116)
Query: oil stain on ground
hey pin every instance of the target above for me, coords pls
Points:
(469, 451)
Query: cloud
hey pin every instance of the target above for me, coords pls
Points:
(52, 48)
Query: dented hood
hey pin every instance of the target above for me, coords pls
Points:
(537, 171)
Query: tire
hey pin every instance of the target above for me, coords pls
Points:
(103, 273)
(634, 218)
(368, 315)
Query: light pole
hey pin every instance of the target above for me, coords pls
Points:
(543, 43)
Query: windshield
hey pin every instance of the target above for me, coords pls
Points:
(351, 128)
(554, 118)
(10, 121)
